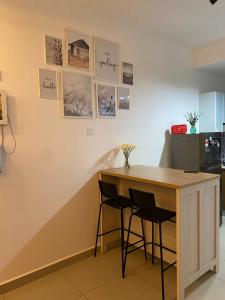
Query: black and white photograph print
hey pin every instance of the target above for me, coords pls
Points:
(77, 95)
(107, 60)
(53, 51)
(3, 108)
(123, 96)
(127, 73)
(106, 97)
(78, 50)
(48, 84)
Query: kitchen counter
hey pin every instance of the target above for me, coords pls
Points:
(160, 176)
(194, 197)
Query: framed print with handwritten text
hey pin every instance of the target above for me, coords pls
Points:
(48, 83)
(107, 60)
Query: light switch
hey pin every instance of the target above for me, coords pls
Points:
(91, 131)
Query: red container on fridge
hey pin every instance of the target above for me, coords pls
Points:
(179, 129)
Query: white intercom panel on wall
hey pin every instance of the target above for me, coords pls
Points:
(3, 108)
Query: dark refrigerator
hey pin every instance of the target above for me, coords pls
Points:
(198, 153)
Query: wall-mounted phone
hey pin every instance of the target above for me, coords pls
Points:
(5, 130)
(3, 108)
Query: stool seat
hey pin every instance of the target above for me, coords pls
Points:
(158, 216)
(118, 202)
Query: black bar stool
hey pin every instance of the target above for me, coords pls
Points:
(113, 199)
(146, 209)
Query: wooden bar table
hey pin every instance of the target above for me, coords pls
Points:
(194, 197)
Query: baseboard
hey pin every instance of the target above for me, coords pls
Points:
(46, 270)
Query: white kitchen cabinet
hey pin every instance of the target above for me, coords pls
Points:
(211, 108)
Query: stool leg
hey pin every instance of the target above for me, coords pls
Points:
(127, 243)
(153, 241)
(161, 260)
(122, 238)
(99, 218)
(143, 233)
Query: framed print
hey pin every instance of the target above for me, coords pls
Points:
(53, 51)
(107, 60)
(78, 50)
(127, 73)
(3, 108)
(48, 84)
(123, 96)
(77, 95)
(106, 96)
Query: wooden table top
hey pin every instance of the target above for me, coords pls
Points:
(166, 177)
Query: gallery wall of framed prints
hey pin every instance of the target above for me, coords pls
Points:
(86, 74)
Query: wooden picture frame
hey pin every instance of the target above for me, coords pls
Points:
(48, 83)
(77, 95)
(78, 50)
(107, 60)
(53, 50)
(106, 95)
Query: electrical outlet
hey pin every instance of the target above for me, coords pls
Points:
(91, 131)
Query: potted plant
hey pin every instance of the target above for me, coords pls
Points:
(192, 118)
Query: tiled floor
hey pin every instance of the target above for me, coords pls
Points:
(99, 279)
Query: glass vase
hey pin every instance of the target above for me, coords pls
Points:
(126, 163)
(193, 129)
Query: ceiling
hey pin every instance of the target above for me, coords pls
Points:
(191, 22)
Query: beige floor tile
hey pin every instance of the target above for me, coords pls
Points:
(131, 288)
(208, 288)
(150, 274)
(135, 260)
(92, 273)
(222, 244)
(51, 287)
(221, 274)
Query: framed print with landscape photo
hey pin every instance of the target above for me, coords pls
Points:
(123, 97)
(107, 60)
(106, 100)
(127, 73)
(79, 50)
(3, 108)
(77, 95)
(53, 51)
(48, 84)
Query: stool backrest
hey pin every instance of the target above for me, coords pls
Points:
(108, 190)
(143, 200)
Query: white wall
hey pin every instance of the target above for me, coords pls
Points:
(48, 198)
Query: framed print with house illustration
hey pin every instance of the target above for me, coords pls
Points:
(107, 60)
(106, 100)
(123, 97)
(48, 84)
(53, 51)
(77, 95)
(3, 108)
(78, 50)
(127, 73)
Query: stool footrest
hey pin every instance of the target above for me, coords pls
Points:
(165, 269)
(100, 234)
(134, 233)
(135, 249)
(168, 249)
